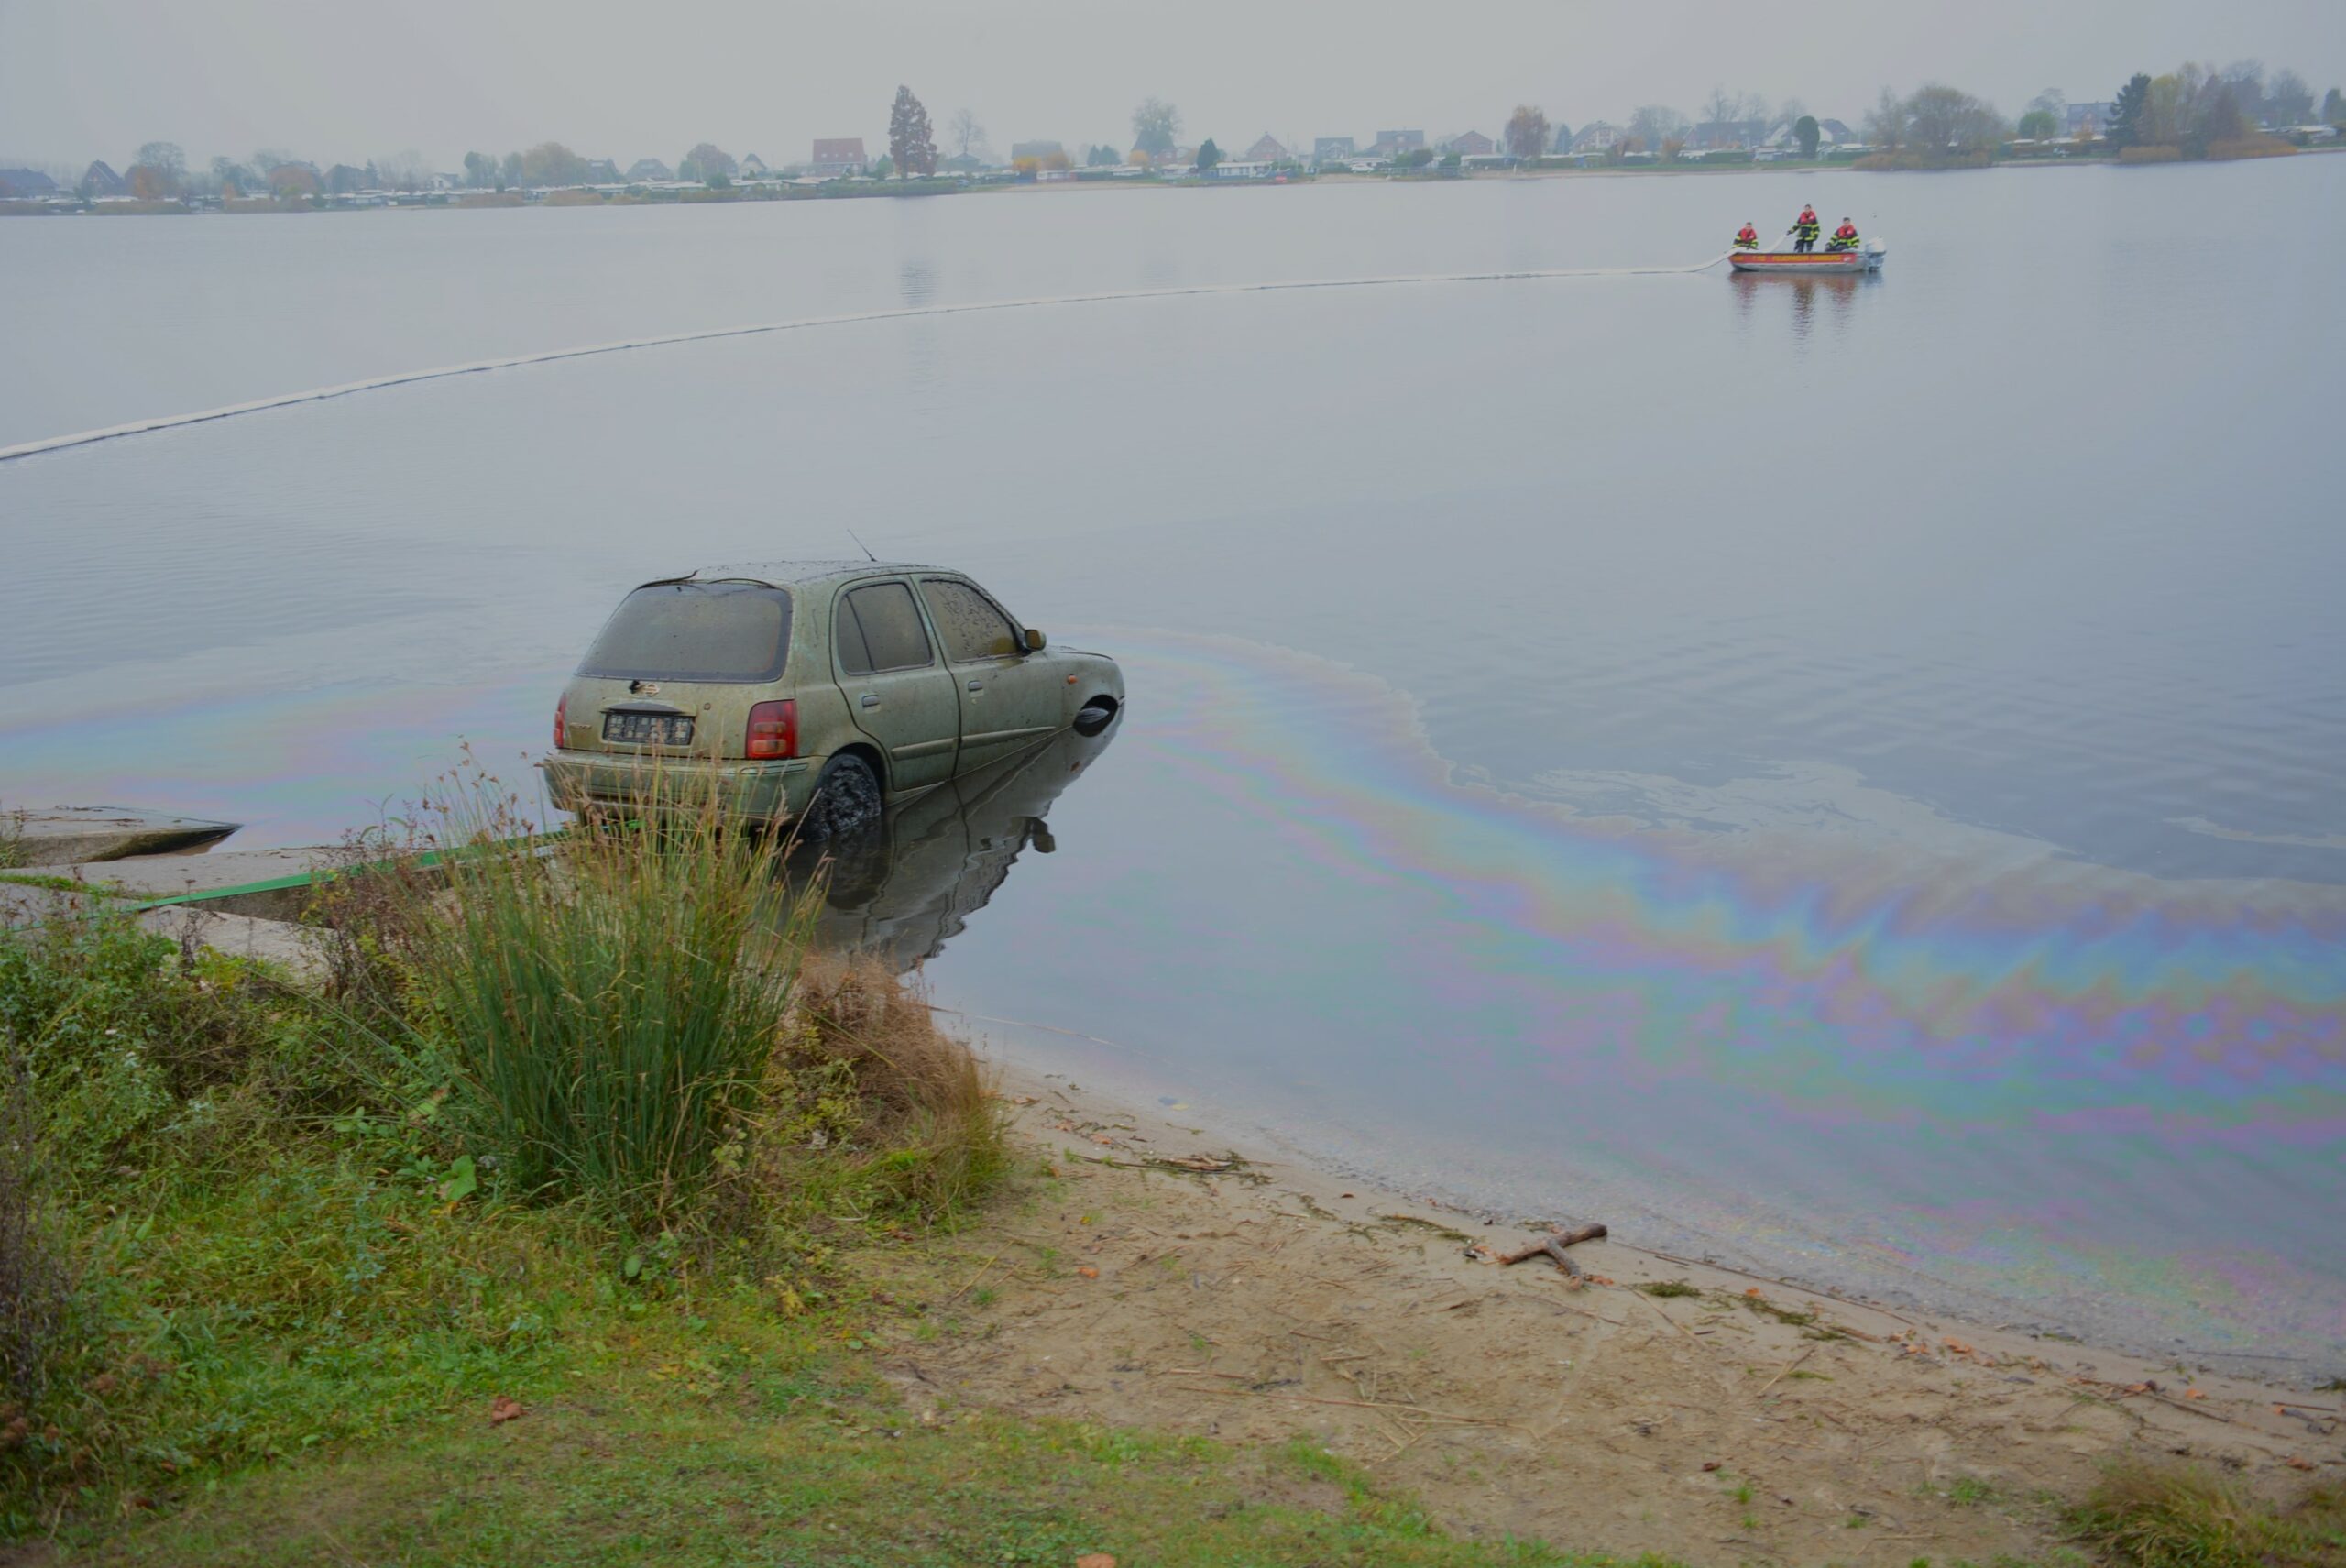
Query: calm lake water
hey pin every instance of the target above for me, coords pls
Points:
(1845, 777)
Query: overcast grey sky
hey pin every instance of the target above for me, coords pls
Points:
(333, 80)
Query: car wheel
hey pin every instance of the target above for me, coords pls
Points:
(1094, 716)
(845, 802)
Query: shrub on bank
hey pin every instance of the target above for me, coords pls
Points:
(555, 1108)
(2150, 155)
(604, 1006)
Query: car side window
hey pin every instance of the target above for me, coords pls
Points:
(972, 625)
(879, 628)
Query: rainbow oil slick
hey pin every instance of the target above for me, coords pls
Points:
(2001, 1081)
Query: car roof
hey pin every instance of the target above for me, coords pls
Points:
(791, 574)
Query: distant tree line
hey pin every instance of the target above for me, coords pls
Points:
(2195, 111)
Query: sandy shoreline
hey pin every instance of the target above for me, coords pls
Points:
(1151, 1274)
(1028, 1052)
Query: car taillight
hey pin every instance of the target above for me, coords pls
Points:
(774, 729)
(560, 710)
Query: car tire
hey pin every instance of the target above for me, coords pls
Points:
(1094, 716)
(846, 806)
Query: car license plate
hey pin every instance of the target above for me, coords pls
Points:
(648, 728)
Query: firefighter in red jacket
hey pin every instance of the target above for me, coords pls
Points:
(1806, 228)
(1845, 237)
(1747, 237)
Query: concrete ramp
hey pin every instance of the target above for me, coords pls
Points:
(80, 834)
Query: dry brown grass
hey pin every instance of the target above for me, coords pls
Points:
(2150, 155)
(2182, 1516)
(2249, 147)
(903, 1108)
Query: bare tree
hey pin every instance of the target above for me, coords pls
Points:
(1655, 124)
(2287, 100)
(969, 136)
(1886, 123)
(165, 171)
(1720, 108)
(408, 172)
(1526, 132)
(706, 162)
(1940, 120)
(1156, 127)
(547, 164)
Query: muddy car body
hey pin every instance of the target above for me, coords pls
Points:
(812, 692)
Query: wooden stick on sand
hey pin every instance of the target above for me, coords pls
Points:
(1552, 1245)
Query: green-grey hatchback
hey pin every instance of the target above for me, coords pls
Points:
(812, 692)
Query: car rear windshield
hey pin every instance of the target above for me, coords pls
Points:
(695, 632)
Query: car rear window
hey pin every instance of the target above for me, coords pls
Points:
(695, 632)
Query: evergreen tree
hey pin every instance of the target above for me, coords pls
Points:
(2125, 127)
(912, 149)
(1208, 156)
(1809, 134)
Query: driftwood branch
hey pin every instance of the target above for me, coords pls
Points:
(1552, 1245)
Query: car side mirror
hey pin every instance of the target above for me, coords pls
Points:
(1035, 641)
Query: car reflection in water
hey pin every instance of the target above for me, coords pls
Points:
(902, 892)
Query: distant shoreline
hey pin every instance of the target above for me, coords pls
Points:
(575, 197)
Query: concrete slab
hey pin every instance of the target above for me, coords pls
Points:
(77, 835)
(299, 948)
(21, 904)
(271, 884)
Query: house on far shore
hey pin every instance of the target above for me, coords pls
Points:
(1726, 136)
(2088, 119)
(601, 171)
(1390, 142)
(1037, 151)
(1599, 136)
(101, 181)
(835, 155)
(650, 170)
(754, 168)
(1332, 149)
(25, 183)
(1266, 149)
(1473, 144)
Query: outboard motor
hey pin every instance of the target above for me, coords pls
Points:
(1877, 251)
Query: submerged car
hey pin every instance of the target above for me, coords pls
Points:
(812, 692)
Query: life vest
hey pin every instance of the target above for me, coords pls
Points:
(1846, 234)
(1746, 235)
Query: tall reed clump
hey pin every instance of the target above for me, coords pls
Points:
(606, 1000)
(2172, 1515)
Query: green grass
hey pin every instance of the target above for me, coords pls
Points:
(804, 1477)
(1667, 1287)
(287, 1222)
(2178, 1516)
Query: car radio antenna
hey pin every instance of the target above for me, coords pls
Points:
(860, 544)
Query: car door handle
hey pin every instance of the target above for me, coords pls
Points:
(869, 700)
(977, 685)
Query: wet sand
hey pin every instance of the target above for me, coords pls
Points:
(1253, 1298)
